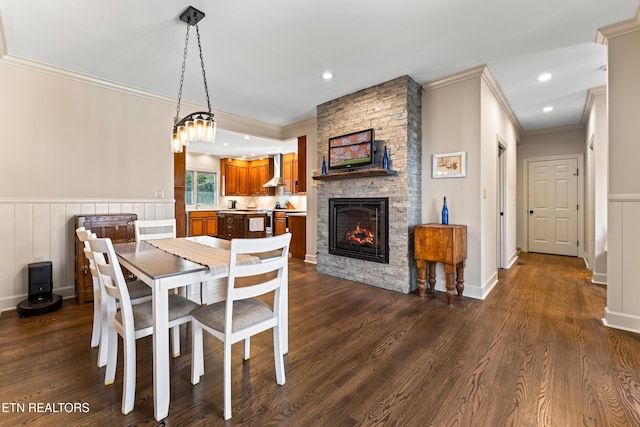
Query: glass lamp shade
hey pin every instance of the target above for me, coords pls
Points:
(200, 129)
(183, 134)
(191, 130)
(211, 128)
(176, 143)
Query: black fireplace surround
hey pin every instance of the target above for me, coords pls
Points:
(359, 228)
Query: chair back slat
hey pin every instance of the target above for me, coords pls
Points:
(276, 264)
(155, 229)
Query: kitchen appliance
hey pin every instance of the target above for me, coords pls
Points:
(231, 204)
(277, 180)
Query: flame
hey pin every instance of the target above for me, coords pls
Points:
(360, 236)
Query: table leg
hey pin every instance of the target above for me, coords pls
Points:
(432, 276)
(161, 385)
(460, 276)
(449, 269)
(422, 276)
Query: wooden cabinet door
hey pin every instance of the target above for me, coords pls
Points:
(231, 180)
(243, 180)
(287, 173)
(279, 223)
(222, 226)
(298, 230)
(212, 226)
(196, 226)
(254, 179)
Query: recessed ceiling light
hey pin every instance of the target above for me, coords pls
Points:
(547, 109)
(544, 77)
(247, 137)
(327, 75)
(226, 143)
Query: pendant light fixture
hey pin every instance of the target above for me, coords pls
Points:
(198, 126)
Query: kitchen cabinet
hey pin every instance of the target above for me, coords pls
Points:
(260, 171)
(203, 223)
(236, 225)
(119, 228)
(279, 223)
(290, 172)
(236, 177)
(245, 178)
(298, 229)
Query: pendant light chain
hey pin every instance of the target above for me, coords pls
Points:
(200, 125)
(184, 65)
(204, 75)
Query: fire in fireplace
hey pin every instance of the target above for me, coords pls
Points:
(359, 228)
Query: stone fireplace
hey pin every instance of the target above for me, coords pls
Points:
(393, 110)
(358, 228)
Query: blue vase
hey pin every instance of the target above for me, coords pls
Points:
(385, 159)
(324, 166)
(445, 212)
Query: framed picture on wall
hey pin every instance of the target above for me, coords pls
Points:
(449, 165)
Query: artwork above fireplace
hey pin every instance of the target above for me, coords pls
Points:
(359, 228)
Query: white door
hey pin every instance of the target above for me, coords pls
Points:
(553, 206)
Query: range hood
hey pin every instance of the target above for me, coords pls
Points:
(277, 180)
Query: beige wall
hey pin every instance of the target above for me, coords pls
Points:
(62, 138)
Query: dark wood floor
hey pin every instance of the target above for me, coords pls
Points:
(534, 353)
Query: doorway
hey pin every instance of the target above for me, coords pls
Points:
(502, 215)
(552, 205)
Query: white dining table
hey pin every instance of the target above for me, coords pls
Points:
(163, 271)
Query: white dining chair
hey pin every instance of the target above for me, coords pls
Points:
(139, 292)
(243, 315)
(153, 229)
(130, 321)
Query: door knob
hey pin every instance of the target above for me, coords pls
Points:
(530, 212)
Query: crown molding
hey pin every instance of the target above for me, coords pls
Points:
(455, 78)
(553, 130)
(485, 74)
(228, 121)
(618, 29)
(588, 103)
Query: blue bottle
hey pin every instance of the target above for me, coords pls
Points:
(385, 159)
(445, 212)
(324, 166)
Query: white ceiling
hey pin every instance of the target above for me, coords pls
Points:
(264, 59)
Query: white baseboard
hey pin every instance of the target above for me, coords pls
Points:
(599, 278)
(311, 259)
(512, 260)
(10, 303)
(625, 322)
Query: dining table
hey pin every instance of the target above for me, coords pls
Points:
(168, 268)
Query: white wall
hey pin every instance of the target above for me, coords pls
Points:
(496, 126)
(596, 185)
(545, 143)
(623, 268)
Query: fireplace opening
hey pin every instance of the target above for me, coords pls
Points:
(359, 228)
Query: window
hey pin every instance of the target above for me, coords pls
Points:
(204, 190)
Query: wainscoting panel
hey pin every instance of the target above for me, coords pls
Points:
(44, 230)
(623, 270)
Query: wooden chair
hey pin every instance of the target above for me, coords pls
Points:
(139, 292)
(155, 229)
(243, 314)
(130, 321)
